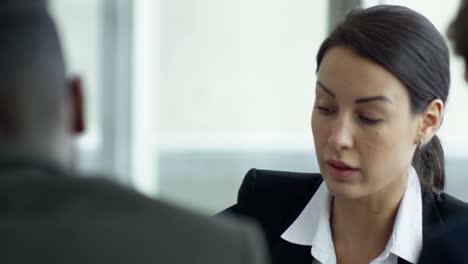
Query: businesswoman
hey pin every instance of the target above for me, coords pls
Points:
(382, 82)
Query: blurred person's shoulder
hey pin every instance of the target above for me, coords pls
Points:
(174, 233)
(181, 234)
(49, 210)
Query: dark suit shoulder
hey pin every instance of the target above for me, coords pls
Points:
(262, 187)
(275, 198)
(449, 207)
(167, 226)
(439, 211)
(448, 245)
(97, 215)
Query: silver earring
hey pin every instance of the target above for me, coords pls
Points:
(420, 142)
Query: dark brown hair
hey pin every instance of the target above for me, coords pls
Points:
(409, 46)
(458, 31)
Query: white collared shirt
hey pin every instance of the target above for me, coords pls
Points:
(312, 227)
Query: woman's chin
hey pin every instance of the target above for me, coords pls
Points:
(344, 190)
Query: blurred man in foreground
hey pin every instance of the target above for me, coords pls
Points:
(47, 214)
(450, 245)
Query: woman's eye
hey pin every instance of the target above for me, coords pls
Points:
(369, 121)
(325, 110)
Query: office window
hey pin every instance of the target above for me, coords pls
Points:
(96, 38)
(80, 36)
(236, 91)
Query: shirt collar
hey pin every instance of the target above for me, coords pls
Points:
(312, 226)
(406, 238)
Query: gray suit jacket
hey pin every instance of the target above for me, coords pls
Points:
(50, 216)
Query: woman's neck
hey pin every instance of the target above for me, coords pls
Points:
(362, 227)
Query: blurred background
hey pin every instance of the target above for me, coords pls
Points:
(185, 96)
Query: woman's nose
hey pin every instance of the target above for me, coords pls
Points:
(341, 134)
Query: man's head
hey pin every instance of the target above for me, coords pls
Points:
(458, 32)
(38, 107)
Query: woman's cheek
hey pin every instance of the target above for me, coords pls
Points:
(320, 133)
(372, 147)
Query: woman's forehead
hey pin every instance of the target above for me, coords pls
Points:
(345, 73)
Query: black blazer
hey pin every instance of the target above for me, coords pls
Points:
(448, 246)
(276, 198)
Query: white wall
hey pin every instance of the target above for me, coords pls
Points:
(237, 70)
(236, 91)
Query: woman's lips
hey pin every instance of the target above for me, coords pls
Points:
(340, 169)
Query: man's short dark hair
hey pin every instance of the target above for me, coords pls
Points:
(32, 71)
(458, 30)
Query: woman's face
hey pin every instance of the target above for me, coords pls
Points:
(363, 127)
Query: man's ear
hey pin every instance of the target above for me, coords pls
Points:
(466, 69)
(431, 120)
(77, 105)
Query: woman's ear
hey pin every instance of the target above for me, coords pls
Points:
(431, 120)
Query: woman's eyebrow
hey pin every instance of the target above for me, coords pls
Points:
(359, 100)
(373, 98)
(328, 91)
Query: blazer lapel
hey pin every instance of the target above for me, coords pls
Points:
(283, 251)
(403, 261)
(286, 252)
